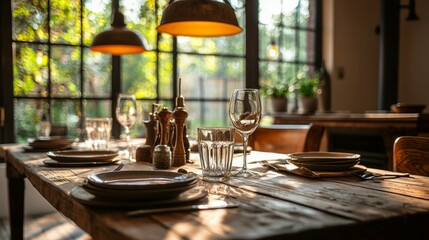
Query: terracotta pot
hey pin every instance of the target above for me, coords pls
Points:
(307, 105)
(279, 104)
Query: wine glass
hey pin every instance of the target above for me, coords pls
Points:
(126, 114)
(245, 114)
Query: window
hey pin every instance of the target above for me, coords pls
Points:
(54, 71)
(291, 26)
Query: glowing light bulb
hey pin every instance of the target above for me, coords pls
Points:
(272, 51)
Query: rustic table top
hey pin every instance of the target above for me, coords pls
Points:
(277, 205)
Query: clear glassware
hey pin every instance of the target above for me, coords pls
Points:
(245, 114)
(126, 114)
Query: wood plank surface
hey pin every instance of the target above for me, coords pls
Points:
(274, 206)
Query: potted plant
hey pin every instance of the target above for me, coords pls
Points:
(307, 95)
(278, 94)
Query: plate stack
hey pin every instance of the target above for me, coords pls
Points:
(325, 161)
(138, 188)
(79, 158)
(44, 144)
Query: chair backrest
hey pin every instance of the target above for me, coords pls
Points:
(59, 130)
(411, 154)
(287, 138)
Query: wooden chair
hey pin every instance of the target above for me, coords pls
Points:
(411, 154)
(287, 138)
(59, 130)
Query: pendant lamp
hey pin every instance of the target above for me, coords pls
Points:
(118, 40)
(199, 18)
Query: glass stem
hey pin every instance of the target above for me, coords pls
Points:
(245, 138)
(127, 134)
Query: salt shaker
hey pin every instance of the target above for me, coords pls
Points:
(161, 153)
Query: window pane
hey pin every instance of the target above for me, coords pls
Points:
(166, 40)
(29, 20)
(67, 112)
(30, 70)
(27, 118)
(205, 113)
(304, 14)
(288, 49)
(65, 21)
(290, 8)
(267, 34)
(270, 13)
(97, 108)
(166, 75)
(139, 75)
(65, 71)
(165, 43)
(220, 45)
(140, 17)
(210, 77)
(96, 18)
(97, 72)
(271, 73)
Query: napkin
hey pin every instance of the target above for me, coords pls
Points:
(305, 172)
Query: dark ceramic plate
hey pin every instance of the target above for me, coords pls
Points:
(407, 108)
(87, 198)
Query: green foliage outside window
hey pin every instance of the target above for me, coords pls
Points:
(52, 61)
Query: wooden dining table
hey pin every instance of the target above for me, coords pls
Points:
(277, 205)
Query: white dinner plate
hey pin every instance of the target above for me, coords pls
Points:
(55, 163)
(323, 156)
(137, 194)
(140, 179)
(87, 198)
(83, 156)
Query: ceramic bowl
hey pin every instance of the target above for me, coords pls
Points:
(407, 108)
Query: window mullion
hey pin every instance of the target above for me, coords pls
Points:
(252, 44)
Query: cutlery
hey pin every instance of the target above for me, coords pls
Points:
(277, 167)
(119, 167)
(369, 175)
(195, 207)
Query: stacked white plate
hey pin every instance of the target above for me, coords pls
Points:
(78, 158)
(127, 189)
(325, 161)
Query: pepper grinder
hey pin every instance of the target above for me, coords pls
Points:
(179, 155)
(179, 116)
(180, 102)
(144, 153)
(151, 127)
(162, 152)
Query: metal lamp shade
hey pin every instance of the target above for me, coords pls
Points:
(199, 18)
(118, 41)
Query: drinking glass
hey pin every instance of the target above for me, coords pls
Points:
(216, 149)
(126, 114)
(98, 132)
(245, 114)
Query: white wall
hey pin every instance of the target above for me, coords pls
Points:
(350, 43)
(414, 56)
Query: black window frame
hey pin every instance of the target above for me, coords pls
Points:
(7, 131)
